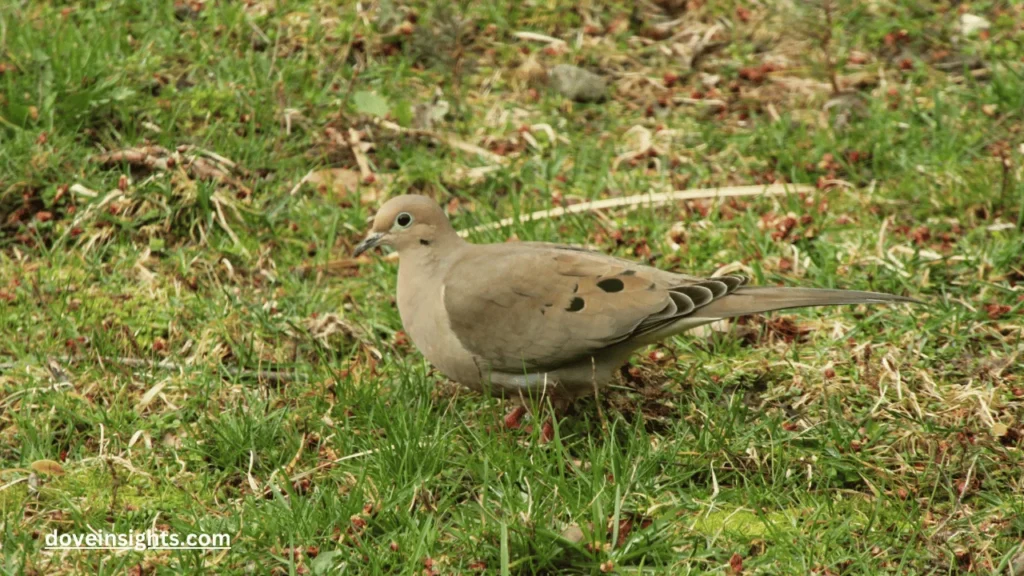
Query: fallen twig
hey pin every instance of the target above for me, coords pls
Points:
(650, 199)
(537, 37)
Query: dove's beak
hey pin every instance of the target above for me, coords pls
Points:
(371, 241)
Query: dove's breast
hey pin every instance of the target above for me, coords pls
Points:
(421, 306)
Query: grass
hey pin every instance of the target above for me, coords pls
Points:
(837, 441)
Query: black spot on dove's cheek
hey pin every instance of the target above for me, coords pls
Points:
(611, 285)
(424, 242)
(576, 305)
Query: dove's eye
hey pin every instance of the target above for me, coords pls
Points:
(403, 220)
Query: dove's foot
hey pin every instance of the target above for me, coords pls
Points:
(513, 417)
(547, 432)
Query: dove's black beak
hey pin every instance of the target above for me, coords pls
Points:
(370, 241)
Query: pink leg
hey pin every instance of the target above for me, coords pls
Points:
(512, 418)
(547, 432)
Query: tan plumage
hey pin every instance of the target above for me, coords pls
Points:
(521, 317)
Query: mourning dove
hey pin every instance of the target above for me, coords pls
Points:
(526, 318)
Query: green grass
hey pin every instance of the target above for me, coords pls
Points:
(840, 441)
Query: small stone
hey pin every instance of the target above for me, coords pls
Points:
(971, 24)
(578, 84)
(573, 533)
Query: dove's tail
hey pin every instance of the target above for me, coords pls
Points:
(756, 299)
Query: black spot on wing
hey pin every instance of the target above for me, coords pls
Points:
(576, 305)
(611, 285)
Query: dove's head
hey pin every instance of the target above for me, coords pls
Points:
(406, 222)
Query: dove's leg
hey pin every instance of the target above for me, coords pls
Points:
(514, 415)
(547, 431)
(559, 406)
(513, 419)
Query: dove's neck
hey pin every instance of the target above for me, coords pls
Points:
(423, 266)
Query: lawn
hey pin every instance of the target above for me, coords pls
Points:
(187, 344)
